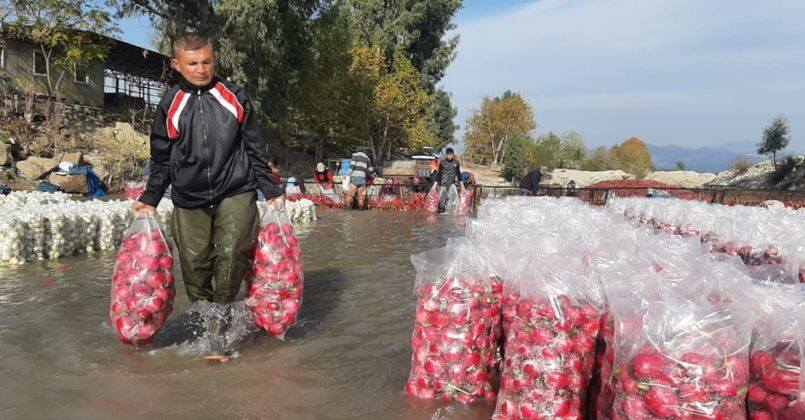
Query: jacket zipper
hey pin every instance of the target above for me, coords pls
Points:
(206, 148)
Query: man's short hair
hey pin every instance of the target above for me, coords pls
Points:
(448, 151)
(190, 42)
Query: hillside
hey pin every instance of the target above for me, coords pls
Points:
(790, 176)
(702, 159)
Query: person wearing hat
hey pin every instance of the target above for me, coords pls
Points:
(449, 174)
(324, 177)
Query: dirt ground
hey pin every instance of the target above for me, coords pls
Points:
(484, 175)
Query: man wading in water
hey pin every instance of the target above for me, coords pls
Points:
(449, 174)
(206, 142)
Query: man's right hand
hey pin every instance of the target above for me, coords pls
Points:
(142, 208)
(276, 203)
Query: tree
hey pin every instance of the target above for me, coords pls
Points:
(491, 126)
(572, 150)
(390, 106)
(324, 104)
(547, 151)
(65, 31)
(680, 166)
(263, 45)
(600, 159)
(633, 156)
(6, 10)
(443, 113)
(266, 47)
(775, 138)
(518, 164)
(740, 164)
(414, 29)
(307, 66)
(173, 18)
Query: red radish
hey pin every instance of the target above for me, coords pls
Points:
(662, 401)
(776, 402)
(757, 394)
(781, 382)
(648, 365)
(761, 415)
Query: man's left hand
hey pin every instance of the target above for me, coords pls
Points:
(278, 203)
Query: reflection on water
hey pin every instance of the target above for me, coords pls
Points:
(347, 357)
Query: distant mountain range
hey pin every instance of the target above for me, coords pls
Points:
(702, 159)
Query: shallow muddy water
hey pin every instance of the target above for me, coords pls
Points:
(347, 358)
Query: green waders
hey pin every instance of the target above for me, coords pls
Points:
(216, 243)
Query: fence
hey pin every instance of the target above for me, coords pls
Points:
(595, 196)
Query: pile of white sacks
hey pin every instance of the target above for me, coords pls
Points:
(39, 226)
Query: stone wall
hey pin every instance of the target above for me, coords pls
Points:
(86, 117)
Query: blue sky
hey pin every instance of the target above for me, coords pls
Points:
(684, 72)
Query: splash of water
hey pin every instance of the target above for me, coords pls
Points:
(208, 328)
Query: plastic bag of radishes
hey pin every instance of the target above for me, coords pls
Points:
(681, 359)
(133, 190)
(550, 344)
(775, 360)
(142, 283)
(650, 272)
(432, 200)
(451, 204)
(275, 295)
(456, 327)
(464, 203)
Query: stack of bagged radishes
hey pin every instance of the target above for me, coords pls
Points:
(770, 234)
(605, 319)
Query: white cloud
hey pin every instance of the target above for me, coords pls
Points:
(719, 70)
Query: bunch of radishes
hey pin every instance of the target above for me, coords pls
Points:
(133, 190)
(275, 295)
(432, 201)
(142, 283)
(464, 201)
(775, 360)
(758, 235)
(549, 357)
(681, 359)
(775, 385)
(456, 329)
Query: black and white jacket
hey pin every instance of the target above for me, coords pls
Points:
(206, 142)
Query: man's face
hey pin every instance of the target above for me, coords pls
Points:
(449, 156)
(197, 66)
